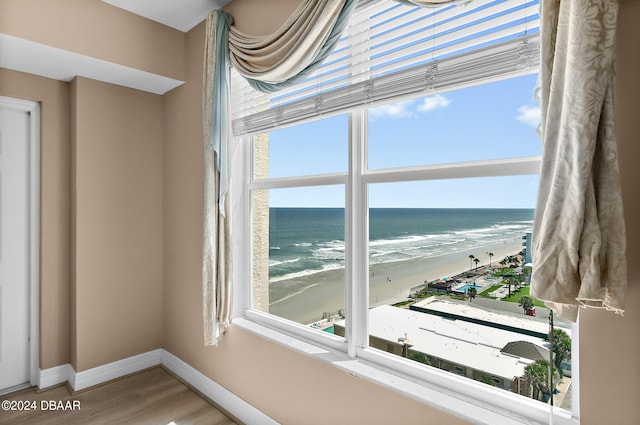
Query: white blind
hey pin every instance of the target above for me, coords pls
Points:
(392, 51)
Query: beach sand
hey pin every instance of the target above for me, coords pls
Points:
(388, 283)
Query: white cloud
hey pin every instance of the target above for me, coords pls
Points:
(407, 108)
(434, 102)
(393, 110)
(529, 115)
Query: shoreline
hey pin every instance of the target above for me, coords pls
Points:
(388, 282)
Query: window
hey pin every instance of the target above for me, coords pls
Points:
(391, 196)
(298, 242)
(299, 254)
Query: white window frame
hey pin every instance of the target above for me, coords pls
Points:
(460, 396)
(433, 386)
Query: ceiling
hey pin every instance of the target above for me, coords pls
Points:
(40, 59)
(179, 14)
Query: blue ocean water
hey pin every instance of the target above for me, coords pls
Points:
(305, 241)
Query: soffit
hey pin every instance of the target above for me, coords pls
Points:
(27, 56)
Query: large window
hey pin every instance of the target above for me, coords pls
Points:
(391, 206)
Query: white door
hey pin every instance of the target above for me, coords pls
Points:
(14, 247)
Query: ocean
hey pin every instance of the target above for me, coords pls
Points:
(310, 241)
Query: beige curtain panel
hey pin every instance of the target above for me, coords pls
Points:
(579, 233)
(216, 300)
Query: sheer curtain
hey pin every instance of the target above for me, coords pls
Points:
(579, 233)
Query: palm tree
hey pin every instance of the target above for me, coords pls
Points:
(475, 260)
(490, 255)
(561, 348)
(537, 376)
(471, 257)
(511, 280)
(472, 293)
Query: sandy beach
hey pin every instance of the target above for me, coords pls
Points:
(388, 283)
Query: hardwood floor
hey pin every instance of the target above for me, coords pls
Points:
(153, 397)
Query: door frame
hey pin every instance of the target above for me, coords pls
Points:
(33, 197)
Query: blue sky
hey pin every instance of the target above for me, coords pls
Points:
(495, 120)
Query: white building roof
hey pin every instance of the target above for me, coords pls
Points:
(473, 312)
(467, 344)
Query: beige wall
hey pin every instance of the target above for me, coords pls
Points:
(610, 344)
(183, 192)
(97, 29)
(117, 188)
(101, 251)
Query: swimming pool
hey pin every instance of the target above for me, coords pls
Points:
(466, 288)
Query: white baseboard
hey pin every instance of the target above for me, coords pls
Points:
(98, 375)
(54, 376)
(224, 398)
(240, 409)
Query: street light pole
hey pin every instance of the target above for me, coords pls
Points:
(551, 354)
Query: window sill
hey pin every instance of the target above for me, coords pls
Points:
(477, 411)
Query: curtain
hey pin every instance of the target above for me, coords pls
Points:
(268, 63)
(216, 300)
(579, 234)
(297, 48)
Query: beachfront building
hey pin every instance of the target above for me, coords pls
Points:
(441, 286)
(260, 211)
(527, 248)
(497, 314)
(478, 352)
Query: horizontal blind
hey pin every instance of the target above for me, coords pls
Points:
(392, 51)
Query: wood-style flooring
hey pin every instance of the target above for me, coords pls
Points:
(153, 397)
